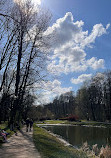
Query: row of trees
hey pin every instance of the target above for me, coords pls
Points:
(23, 55)
(63, 105)
(92, 101)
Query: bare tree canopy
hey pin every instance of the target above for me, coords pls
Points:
(23, 53)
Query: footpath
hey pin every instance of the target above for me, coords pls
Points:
(20, 146)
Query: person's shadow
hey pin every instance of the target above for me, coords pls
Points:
(26, 135)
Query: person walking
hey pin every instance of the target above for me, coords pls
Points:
(27, 124)
(31, 124)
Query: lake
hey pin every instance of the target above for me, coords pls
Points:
(77, 135)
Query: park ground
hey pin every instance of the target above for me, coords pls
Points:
(39, 143)
(20, 146)
(36, 144)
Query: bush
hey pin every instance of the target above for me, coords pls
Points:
(71, 118)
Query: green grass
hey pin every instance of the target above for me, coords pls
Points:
(55, 121)
(3, 125)
(50, 147)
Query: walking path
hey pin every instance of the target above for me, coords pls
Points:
(20, 146)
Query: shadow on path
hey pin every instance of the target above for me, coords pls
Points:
(20, 146)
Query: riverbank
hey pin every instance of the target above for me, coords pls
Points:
(96, 148)
(50, 147)
(81, 123)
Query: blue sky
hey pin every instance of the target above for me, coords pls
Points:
(83, 47)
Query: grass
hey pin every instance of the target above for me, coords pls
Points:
(50, 147)
(55, 121)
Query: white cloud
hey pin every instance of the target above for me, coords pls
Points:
(81, 78)
(97, 31)
(70, 60)
(70, 43)
(76, 63)
(95, 64)
(51, 90)
(55, 87)
(107, 26)
(64, 30)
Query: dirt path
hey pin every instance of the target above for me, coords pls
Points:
(20, 146)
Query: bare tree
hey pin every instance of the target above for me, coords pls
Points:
(24, 50)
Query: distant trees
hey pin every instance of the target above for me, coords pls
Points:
(107, 95)
(95, 101)
(82, 103)
(23, 54)
(92, 101)
(39, 113)
(63, 105)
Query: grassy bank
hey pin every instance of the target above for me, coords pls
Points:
(50, 147)
(83, 122)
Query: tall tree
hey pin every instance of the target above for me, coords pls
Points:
(24, 49)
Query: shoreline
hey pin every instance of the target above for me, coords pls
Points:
(66, 143)
(84, 125)
(50, 144)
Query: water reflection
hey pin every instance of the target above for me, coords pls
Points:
(77, 135)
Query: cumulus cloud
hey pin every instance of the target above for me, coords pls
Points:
(69, 59)
(51, 90)
(70, 43)
(64, 29)
(69, 64)
(97, 31)
(55, 87)
(95, 64)
(81, 78)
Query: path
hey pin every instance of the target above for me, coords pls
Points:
(20, 146)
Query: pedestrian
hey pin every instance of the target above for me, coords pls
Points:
(27, 124)
(31, 124)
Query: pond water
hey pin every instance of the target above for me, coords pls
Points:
(77, 135)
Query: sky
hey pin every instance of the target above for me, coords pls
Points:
(83, 46)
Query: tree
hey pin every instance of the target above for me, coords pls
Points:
(82, 101)
(24, 50)
(62, 105)
(107, 94)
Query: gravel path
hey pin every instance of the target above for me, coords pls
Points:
(20, 146)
